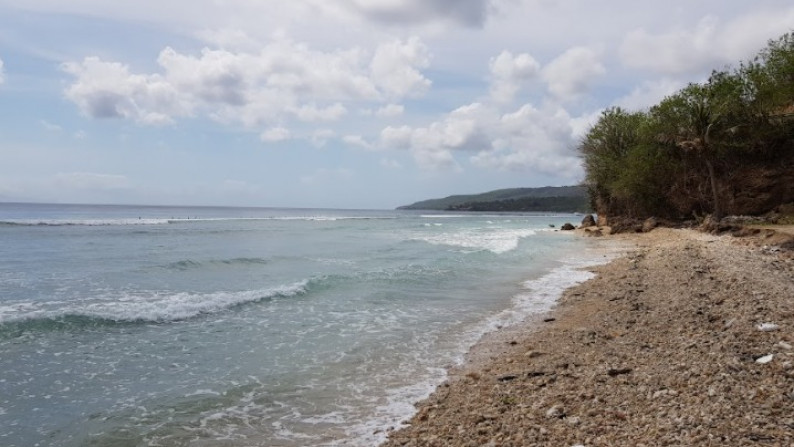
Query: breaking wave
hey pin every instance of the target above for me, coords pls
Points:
(133, 308)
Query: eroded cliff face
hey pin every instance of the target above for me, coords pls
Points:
(755, 190)
(747, 187)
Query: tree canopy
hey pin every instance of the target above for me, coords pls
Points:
(724, 145)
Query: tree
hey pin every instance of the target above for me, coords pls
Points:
(704, 120)
(770, 76)
(705, 148)
(604, 149)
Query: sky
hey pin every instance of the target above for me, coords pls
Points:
(366, 104)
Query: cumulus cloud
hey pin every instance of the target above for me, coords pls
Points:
(532, 139)
(432, 146)
(571, 74)
(395, 68)
(508, 72)
(311, 112)
(109, 90)
(528, 139)
(472, 13)
(390, 111)
(710, 44)
(283, 80)
(357, 140)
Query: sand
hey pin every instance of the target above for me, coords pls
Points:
(685, 340)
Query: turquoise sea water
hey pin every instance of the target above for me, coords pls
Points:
(177, 326)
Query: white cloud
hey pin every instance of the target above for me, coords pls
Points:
(466, 12)
(390, 111)
(529, 139)
(357, 140)
(649, 93)
(311, 112)
(539, 141)
(2, 72)
(508, 72)
(275, 134)
(282, 80)
(395, 68)
(91, 181)
(109, 90)
(709, 44)
(432, 146)
(229, 39)
(674, 52)
(580, 125)
(571, 74)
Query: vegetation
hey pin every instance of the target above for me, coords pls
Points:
(722, 146)
(548, 198)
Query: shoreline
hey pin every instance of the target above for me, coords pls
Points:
(538, 296)
(662, 347)
(491, 344)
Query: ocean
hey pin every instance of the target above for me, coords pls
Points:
(202, 326)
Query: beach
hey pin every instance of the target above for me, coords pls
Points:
(685, 340)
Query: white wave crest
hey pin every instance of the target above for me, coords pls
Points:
(494, 240)
(84, 222)
(155, 307)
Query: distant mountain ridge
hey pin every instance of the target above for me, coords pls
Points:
(547, 198)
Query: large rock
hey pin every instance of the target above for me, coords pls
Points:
(567, 227)
(588, 221)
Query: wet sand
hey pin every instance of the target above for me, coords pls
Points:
(685, 340)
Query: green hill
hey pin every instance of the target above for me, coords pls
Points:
(547, 198)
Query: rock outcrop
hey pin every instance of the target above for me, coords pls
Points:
(588, 221)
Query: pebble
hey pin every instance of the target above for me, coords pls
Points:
(555, 412)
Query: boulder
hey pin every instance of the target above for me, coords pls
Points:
(567, 227)
(588, 221)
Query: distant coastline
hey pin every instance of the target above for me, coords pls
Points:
(563, 199)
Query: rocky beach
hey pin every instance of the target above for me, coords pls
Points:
(687, 339)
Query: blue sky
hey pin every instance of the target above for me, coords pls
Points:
(335, 103)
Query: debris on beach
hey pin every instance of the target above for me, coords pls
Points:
(767, 327)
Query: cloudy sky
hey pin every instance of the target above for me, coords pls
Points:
(335, 103)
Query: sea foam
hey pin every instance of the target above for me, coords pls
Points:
(157, 307)
(483, 239)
